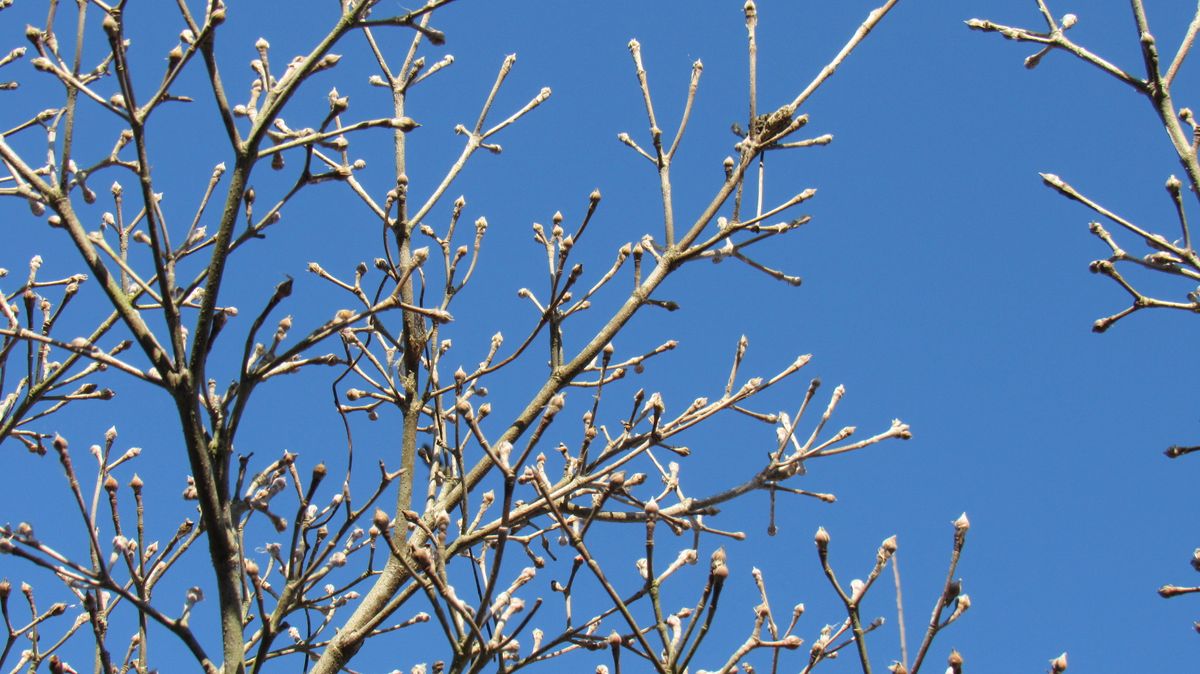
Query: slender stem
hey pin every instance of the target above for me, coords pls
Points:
(900, 610)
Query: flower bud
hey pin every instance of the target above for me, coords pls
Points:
(380, 521)
(822, 537)
(962, 523)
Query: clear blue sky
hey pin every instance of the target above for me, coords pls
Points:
(943, 285)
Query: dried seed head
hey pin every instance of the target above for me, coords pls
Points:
(1059, 664)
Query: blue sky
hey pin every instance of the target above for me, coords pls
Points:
(943, 285)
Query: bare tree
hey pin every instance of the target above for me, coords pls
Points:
(480, 526)
(1164, 251)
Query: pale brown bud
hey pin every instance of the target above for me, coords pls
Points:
(403, 123)
(822, 537)
(381, 520)
(962, 523)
